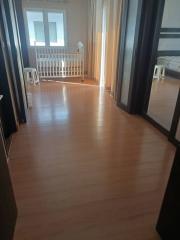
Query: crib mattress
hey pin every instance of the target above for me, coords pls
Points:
(170, 62)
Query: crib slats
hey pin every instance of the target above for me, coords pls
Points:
(74, 64)
(61, 63)
(46, 59)
(79, 65)
(71, 58)
(55, 62)
(68, 64)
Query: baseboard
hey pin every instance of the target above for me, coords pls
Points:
(173, 73)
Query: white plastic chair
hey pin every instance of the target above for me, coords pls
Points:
(31, 75)
(159, 72)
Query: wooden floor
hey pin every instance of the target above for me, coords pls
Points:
(163, 101)
(83, 169)
(86, 81)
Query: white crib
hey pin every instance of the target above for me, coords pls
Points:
(58, 62)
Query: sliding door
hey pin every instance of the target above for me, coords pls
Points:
(131, 15)
(8, 107)
(14, 48)
(163, 105)
(174, 134)
(22, 31)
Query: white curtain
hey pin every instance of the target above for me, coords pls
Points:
(104, 46)
(94, 38)
(91, 37)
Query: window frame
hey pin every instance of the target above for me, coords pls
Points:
(46, 25)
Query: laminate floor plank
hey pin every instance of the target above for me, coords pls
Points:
(82, 169)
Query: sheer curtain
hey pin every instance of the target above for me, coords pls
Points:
(94, 38)
(112, 42)
(91, 37)
(103, 46)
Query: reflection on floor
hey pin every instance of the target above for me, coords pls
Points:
(163, 101)
(83, 169)
(74, 80)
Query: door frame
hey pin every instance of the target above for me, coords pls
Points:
(9, 117)
(15, 48)
(8, 207)
(121, 53)
(10, 65)
(175, 122)
(22, 31)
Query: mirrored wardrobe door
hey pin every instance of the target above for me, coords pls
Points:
(164, 93)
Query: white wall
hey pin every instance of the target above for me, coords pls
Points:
(171, 19)
(76, 19)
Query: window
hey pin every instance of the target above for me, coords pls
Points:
(52, 32)
(56, 29)
(39, 31)
(46, 28)
(36, 28)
